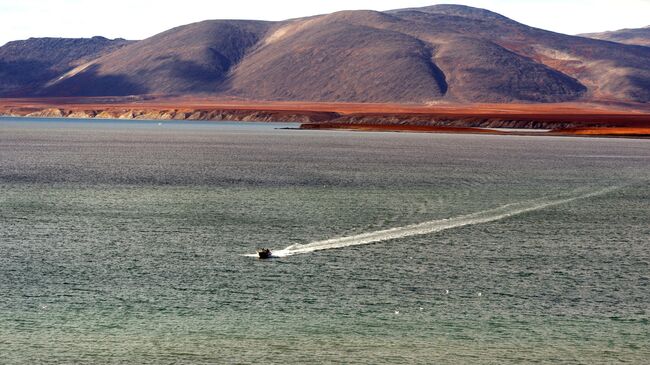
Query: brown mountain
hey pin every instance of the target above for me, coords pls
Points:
(438, 53)
(637, 36)
(191, 59)
(27, 66)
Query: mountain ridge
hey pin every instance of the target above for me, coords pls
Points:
(440, 53)
(28, 65)
(631, 36)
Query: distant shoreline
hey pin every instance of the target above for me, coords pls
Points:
(595, 120)
(575, 132)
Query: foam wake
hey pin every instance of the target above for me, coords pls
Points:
(434, 226)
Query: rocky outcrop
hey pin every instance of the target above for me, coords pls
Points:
(82, 114)
(48, 113)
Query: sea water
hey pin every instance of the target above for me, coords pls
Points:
(127, 242)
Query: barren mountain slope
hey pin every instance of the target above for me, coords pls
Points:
(638, 36)
(190, 59)
(609, 71)
(26, 66)
(445, 53)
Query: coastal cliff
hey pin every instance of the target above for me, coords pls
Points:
(175, 114)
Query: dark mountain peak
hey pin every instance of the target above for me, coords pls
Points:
(57, 49)
(458, 10)
(359, 16)
(60, 40)
(58, 52)
(208, 29)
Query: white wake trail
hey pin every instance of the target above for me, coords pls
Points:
(433, 226)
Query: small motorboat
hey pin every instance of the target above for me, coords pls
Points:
(264, 253)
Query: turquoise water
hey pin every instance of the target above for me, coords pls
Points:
(125, 242)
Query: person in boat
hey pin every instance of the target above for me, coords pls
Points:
(264, 253)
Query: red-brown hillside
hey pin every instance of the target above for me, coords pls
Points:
(442, 53)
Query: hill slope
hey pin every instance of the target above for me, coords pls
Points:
(190, 59)
(27, 66)
(421, 55)
(638, 36)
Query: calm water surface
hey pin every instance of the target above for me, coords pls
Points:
(125, 242)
